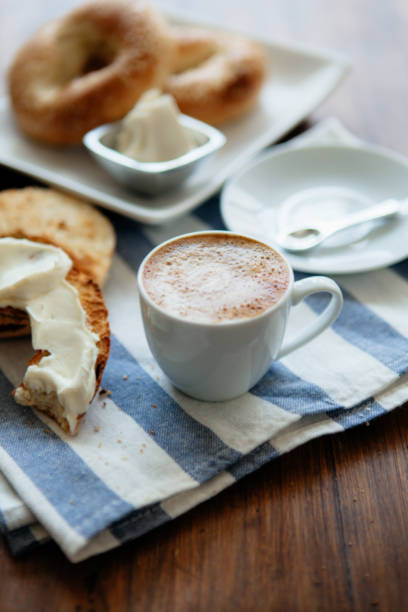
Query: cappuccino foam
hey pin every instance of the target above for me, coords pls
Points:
(215, 278)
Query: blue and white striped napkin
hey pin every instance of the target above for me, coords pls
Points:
(147, 453)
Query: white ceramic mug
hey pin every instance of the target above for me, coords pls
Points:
(220, 361)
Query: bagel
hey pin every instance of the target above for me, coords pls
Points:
(70, 223)
(48, 400)
(15, 323)
(216, 77)
(74, 225)
(88, 68)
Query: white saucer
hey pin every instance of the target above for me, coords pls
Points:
(313, 181)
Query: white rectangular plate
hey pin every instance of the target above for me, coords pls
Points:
(298, 80)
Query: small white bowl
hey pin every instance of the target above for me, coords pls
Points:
(152, 177)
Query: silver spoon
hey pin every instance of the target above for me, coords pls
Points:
(309, 237)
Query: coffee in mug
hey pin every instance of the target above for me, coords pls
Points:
(214, 278)
(215, 307)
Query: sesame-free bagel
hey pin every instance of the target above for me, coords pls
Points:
(88, 68)
(64, 220)
(93, 304)
(46, 397)
(216, 76)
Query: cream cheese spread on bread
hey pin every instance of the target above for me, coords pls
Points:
(33, 278)
(151, 131)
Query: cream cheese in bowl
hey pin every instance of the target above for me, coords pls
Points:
(154, 148)
(152, 132)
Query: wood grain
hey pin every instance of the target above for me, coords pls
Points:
(323, 527)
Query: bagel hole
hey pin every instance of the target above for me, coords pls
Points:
(81, 50)
(238, 86)
(97, 59)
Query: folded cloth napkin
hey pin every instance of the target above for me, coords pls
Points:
(146, 453)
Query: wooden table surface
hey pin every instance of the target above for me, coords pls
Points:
(325, 526)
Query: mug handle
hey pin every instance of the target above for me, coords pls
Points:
(304, 288)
